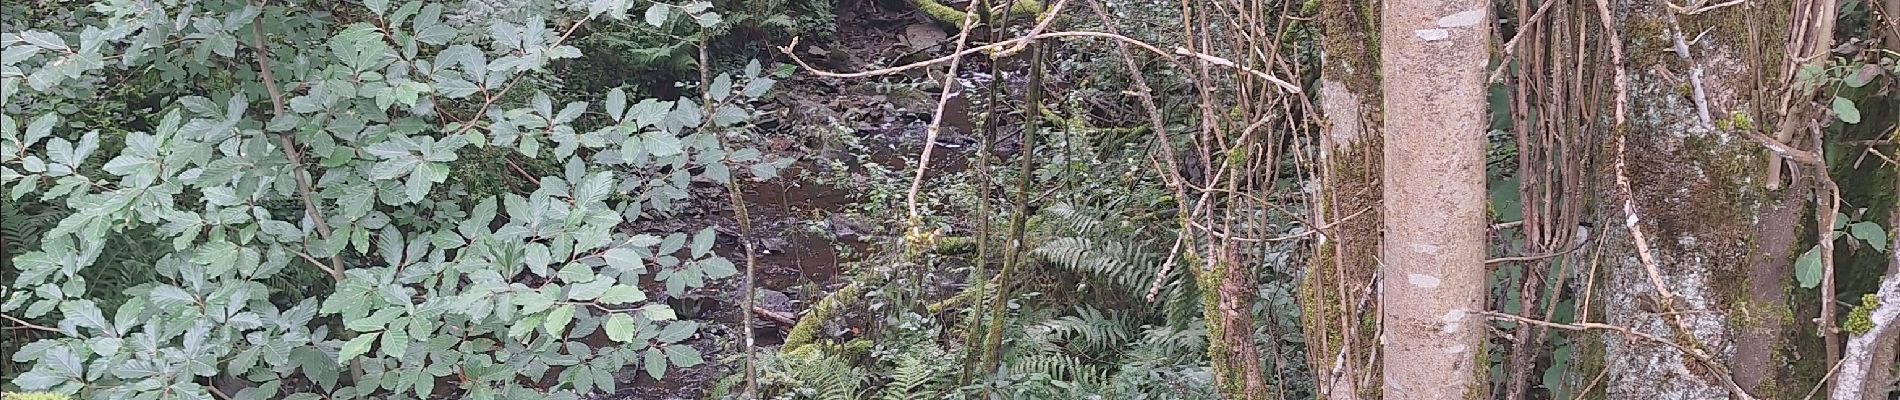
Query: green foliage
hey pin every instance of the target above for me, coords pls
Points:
(214, 209)
(1807, 267)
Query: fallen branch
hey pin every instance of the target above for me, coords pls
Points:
(782, 319)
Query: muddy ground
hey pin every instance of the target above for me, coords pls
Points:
(803, 228)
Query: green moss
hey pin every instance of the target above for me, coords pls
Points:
(1861, 319)
(954, 17)
(806, 331)
(1736, 121)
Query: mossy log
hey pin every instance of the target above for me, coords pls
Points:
(806, 331)
(954, 17)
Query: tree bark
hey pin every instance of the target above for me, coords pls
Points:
(1870, 355)
(1434, 55)
(1718, 241)
(1340, 322)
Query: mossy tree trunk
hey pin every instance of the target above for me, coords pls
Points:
(1720, 241)
(1340, 320)
(1433, 58)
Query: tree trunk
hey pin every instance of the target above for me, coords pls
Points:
(1434, 281)
(1340, 324)
(1693, 194)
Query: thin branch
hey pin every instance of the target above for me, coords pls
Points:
(1211, 59)
(1633, 220)
(1721, 372)
(745, 229)
(787, 49)
(262, 54)
(1698, 94)
(916, 218)
(28, 325)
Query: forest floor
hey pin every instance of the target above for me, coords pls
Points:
(855, 143)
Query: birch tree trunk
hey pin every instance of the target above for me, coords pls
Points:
(1340, 326)
(1433, 62)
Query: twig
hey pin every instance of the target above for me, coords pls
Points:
(1824, 378)
(787, 49)
(1698, 94)
(1510, 47)
(518, 170)
(1828, 203)
(1621, 81)
(1040, 27)
(1211, 59)
(313, 261)
(29, 325)
(1721, 372)
(1593, 384)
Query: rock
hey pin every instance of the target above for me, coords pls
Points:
(774, 301)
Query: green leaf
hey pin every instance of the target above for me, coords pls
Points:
(655, 364)
(38, 379)
(168, 296)
(677, 331)
(395, 340)
(84, 313)
(377, 6)
(619, 328)
(721, 87)
(703, 242)
(106, 346)
(616, 103)
(1861, 76)
(718, 268)
(218, 257)
(624, 260)
(658, 312)
(621, 294)
(662, 144)
(575, 273)
(656, 15)
(589, 291)
(1807, 269)
(374, 322)
(757, 87)
(435, 34)
(454, 88)
(683, 356)
(1870, 232)
(1845, 110)
(558, 319)
(356, 347)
